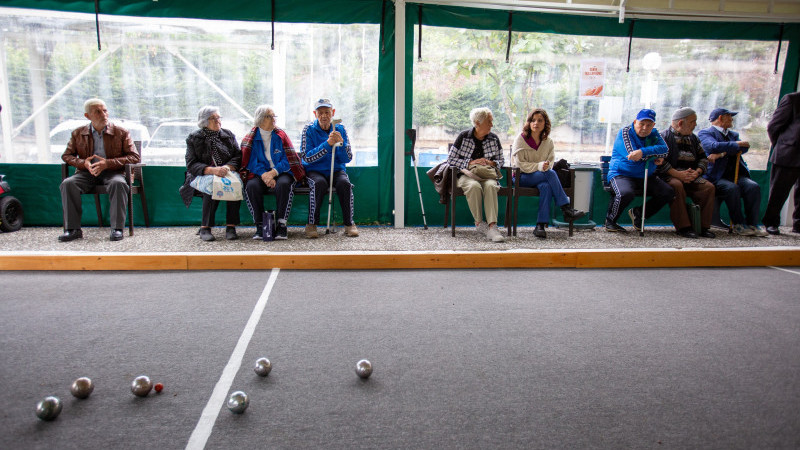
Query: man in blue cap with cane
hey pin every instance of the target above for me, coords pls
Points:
(326, 151)
(729, 173)
(635, 144)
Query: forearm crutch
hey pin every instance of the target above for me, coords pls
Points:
(412, 134)
(328, 229)
(644, 195)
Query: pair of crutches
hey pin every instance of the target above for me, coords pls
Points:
(412, 135)
(328, 229)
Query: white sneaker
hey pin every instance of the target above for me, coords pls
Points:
(743, 230)
(494, 234)
(482, 227)
(351, 230)
(758, 231)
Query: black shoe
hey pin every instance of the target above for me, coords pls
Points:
(771, 229)
(259, 232)
(539, 231)
(205, 234)
(636, 218)
(230, 233)
(614, 227)
(281, 232)
(687, 233)
(706, 233)
(71, 235)
(116, 235)
(571, 214)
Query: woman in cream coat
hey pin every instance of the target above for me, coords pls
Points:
(533, 153)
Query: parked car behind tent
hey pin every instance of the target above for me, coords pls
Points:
(59, 136)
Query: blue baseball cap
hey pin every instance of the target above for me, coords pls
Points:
(646, 114)
(719, 112)
(323, 102)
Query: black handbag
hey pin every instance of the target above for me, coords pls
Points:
(562, 170)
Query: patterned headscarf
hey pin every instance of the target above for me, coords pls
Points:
(220, 153)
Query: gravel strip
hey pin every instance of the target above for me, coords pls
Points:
(374, 238)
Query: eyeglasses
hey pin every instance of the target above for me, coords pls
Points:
(273, 116)
(215, 119)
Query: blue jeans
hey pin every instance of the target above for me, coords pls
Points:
(747, 190)
(549, 188)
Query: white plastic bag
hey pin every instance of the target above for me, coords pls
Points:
(203, 183)
(227, 188)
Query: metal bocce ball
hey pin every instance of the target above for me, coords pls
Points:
(141, 386)
(263, 366)
(82, 387)
(238, 402)
(364, 369)
(49, 408)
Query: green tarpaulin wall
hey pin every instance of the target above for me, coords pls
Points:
(37, 185)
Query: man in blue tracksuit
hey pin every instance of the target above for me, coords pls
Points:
(634, 145)
(319, 145)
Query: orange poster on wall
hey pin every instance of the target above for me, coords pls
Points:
(593, 74)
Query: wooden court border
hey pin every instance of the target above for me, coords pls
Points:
(578, 258)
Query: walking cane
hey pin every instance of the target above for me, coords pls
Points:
(412, 134)
(330, 186)
(644, 194)
(736, 182)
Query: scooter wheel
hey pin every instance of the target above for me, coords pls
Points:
(11, 214)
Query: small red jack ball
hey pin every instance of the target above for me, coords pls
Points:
(158, 387)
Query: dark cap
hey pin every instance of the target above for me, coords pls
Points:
(720, 112)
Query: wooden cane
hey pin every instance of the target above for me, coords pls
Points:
(735, 181)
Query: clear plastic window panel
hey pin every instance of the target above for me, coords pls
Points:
(155, 74)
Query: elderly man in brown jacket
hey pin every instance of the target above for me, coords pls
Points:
(98, 151)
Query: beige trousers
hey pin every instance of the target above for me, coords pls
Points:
(480, 193)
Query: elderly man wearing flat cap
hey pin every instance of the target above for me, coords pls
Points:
(722, 145)
(683, 169)
(636, 143)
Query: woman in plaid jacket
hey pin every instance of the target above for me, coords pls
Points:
(477, 151)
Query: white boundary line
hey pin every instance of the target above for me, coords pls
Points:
(204, 426)
(785, 270)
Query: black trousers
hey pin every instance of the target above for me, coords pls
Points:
(781, 180)
(210, 210)
(319, 193)
(624, 187)
(255, 190)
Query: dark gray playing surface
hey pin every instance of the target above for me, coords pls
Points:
(703, 358)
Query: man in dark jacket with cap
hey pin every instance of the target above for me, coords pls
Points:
(784, 132)
(722, 145)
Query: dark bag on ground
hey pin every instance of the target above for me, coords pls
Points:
(268, 223)
(694, 217)
(562, 170)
